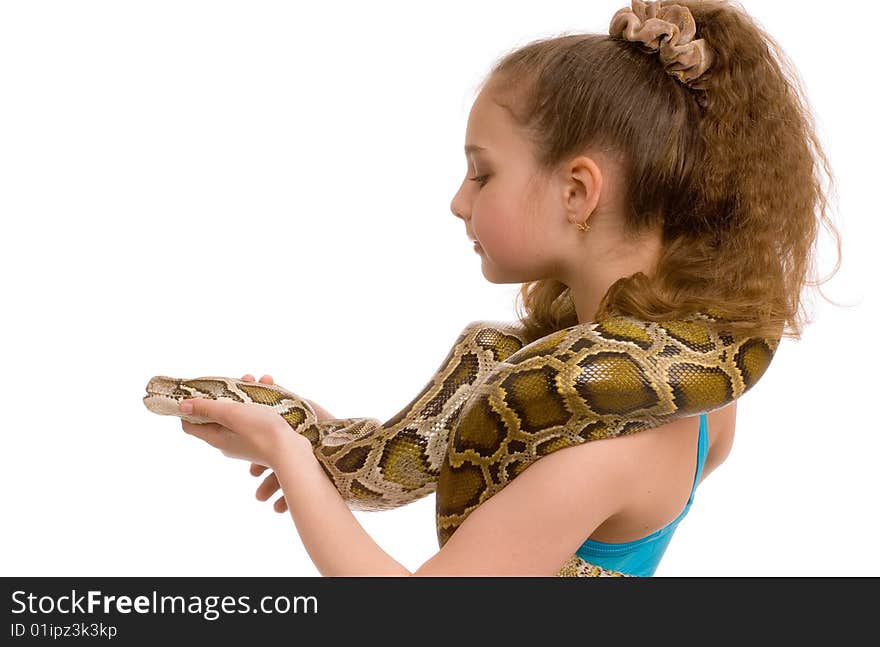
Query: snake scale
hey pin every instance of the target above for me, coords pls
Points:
(499, 402)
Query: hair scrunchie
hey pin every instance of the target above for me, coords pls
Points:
(671, 30)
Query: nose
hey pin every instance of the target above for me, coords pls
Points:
(457, 206)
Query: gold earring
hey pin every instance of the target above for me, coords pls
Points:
(584, 226)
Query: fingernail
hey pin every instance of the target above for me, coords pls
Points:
(186, 406)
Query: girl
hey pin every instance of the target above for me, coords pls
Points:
(667, 167)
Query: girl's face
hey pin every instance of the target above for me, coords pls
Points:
(504, 204)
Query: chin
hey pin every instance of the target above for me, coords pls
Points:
(497, 278)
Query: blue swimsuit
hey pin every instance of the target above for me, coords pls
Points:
(641, 556)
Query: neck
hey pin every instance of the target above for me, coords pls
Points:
(596, 270)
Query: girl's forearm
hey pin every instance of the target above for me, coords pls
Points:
(335, 540)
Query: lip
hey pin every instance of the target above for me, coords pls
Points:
(477, 247)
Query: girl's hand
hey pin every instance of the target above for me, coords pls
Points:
(270, 484)
(242, 429)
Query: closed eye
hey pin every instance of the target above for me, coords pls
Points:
(481, 180)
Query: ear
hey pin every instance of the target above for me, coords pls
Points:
(582, 187)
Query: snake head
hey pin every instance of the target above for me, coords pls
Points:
(165, 393)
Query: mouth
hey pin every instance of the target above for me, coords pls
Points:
(154, 394)
(160, 387)
(161, 397)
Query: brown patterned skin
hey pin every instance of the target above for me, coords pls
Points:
(374, 466)
(498, 403)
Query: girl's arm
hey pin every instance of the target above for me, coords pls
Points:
(531, 527)
(333, 537)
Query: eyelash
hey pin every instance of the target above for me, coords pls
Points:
(481, 180)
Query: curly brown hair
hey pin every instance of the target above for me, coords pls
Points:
(732, 170)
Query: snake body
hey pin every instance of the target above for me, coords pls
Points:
(499, 402)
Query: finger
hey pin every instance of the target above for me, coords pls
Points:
(247, 377)
(268, 487)
(211, 433)
(223, 411)
(257, 469)
(280, 504)
(266, 379)
(203, 427)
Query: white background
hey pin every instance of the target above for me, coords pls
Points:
(219, 188)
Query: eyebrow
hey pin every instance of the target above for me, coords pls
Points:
(472, 148)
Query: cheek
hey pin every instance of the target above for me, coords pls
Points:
(501, 236)
(492, 226)
(503, 217)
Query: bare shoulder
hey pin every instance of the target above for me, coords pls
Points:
(536, 523)
(664, 460)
